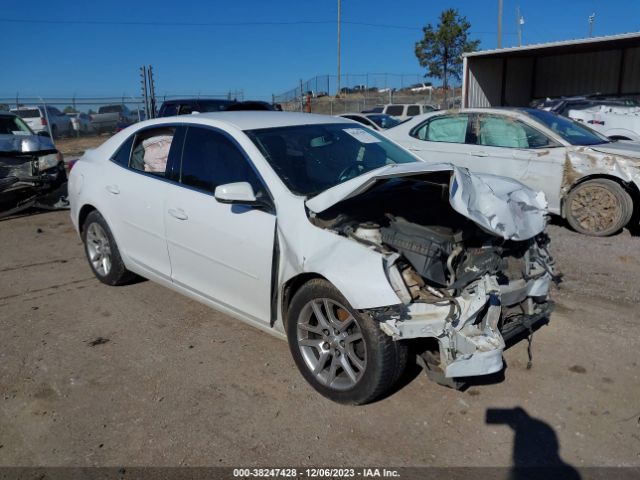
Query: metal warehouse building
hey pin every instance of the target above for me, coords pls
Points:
(515, 76)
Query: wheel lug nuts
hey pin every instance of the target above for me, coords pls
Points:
(336, 332)
(326, 332)
(325, 345)
(342, 343)
(337, 354)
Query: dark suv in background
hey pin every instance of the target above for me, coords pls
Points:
(170, 108)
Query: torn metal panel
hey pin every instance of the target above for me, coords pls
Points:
(502, 206)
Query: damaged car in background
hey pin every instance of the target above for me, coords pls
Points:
(316, 229)
(588, 179)
(32, 171)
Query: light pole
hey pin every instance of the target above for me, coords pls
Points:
(500, 7)
(338, 82)
(592, 18)
(520, 21)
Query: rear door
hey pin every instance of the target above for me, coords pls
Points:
(442, 138)
(136, 186)
(221, 251)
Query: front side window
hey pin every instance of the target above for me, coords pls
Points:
(150, 152)
(11, 125)
(495, 131)
(210, 159)
(445, 128)
(312, 158)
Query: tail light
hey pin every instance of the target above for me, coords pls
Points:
(596, 122)
(43, 120)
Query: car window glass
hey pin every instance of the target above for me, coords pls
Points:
(395, 110)
(151, 151)
(121, 157)
(413, 110)
(210, 159)
(508, 132)
(446, 128)
(170, 110)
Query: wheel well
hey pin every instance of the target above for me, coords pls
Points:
(291, 287)
(629, 187)
(84, 212)
(618, 137)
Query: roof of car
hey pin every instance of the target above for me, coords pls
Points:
(250, 120)
(198, 100)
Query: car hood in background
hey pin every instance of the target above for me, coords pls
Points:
(500, 205)
(624, 148)
(25, 144)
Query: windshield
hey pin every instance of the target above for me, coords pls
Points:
(312, 158)
(570, 130)
(215, 106)
(384, 121)
(13, 126)
(111, 109)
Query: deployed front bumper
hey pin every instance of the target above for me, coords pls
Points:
(467, 327)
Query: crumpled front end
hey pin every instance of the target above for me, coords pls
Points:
(472, 324)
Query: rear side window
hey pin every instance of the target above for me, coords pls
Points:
(121, 157)
(210, 159)
(413, 110)
(446, 128)
(395, 110)
(28, 113)
(151, 149)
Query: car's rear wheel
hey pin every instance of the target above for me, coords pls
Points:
(598, 207)
(341, 352)
(102, 251)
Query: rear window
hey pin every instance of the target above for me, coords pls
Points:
(413, 110)
(28, 113)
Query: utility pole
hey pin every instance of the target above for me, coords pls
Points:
(500, 7)
(592, 19)
(338, 87)
(520, 21)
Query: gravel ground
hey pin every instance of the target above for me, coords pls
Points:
(138, 375)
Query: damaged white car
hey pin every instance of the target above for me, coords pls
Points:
(317, 229)
(588, 179)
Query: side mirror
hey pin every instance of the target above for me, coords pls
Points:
(44, 133)
(238, 192)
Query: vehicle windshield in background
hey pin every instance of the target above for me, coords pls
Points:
(110, 109)
(384, 121)
(11, 125)
(312, 158)
(216, 106)
(572, 131)
(28, 113)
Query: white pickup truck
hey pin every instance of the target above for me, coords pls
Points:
(110, 117)
(615, 122)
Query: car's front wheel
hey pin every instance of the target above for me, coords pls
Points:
(598, 207)
(341, 352)
(102, 251)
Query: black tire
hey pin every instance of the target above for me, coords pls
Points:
(598, 207)
(116, 274)
(382, 359)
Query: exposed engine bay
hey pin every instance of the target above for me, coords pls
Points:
(459, 283)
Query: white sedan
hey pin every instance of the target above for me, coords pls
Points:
(590, 180)
(317, 229)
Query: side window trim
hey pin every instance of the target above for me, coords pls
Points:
(235, 143)
(171, 161)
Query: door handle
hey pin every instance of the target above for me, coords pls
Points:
(113, 189)
(479, 154)
(178, 213)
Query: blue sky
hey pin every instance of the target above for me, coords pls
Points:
(73, 53)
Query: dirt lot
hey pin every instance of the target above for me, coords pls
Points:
(139, 375)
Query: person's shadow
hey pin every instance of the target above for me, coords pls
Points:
(535, 446)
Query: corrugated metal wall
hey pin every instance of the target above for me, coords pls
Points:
(539, 75)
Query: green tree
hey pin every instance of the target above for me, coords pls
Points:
(440, 49)
(69, 109)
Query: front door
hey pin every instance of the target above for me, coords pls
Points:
(220, 251)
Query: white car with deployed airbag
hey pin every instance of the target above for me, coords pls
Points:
(319, 230)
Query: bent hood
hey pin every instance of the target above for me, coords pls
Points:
(500, 205)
